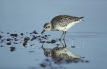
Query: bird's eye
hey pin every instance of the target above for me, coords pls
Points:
(47, 27)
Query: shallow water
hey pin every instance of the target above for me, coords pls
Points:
(24, 50)
(21, 42)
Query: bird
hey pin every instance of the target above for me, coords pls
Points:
(61, 23)
(60, 52)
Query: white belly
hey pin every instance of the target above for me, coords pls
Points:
(67, 27)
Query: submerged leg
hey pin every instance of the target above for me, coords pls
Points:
(64, 35)
(63, 43)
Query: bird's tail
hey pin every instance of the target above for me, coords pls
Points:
(81, 18)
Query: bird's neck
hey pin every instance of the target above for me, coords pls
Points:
(51, 26)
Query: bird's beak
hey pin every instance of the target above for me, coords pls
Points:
(42, 32)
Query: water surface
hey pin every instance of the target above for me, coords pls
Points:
(21, 23)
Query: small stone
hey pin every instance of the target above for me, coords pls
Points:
(34, 32)
(15, 35)
(1, 36)
(21, 34)
(53, 41)
(8, 43)
(42, 65)
(72, 46)
(9, 39)
(8, 33)
(12, 49)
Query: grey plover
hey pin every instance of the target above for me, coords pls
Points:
(60, 52)
(61, 23)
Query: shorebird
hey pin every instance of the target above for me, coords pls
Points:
(60, 52)
(61, 23)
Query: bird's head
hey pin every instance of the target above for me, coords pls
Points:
(47, 27)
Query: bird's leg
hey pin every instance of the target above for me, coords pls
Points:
(64, 35)
(61, 43)
(64, 43)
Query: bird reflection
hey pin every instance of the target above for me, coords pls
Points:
(60, 52)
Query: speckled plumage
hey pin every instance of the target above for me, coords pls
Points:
(60, 52)
(63, 20)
